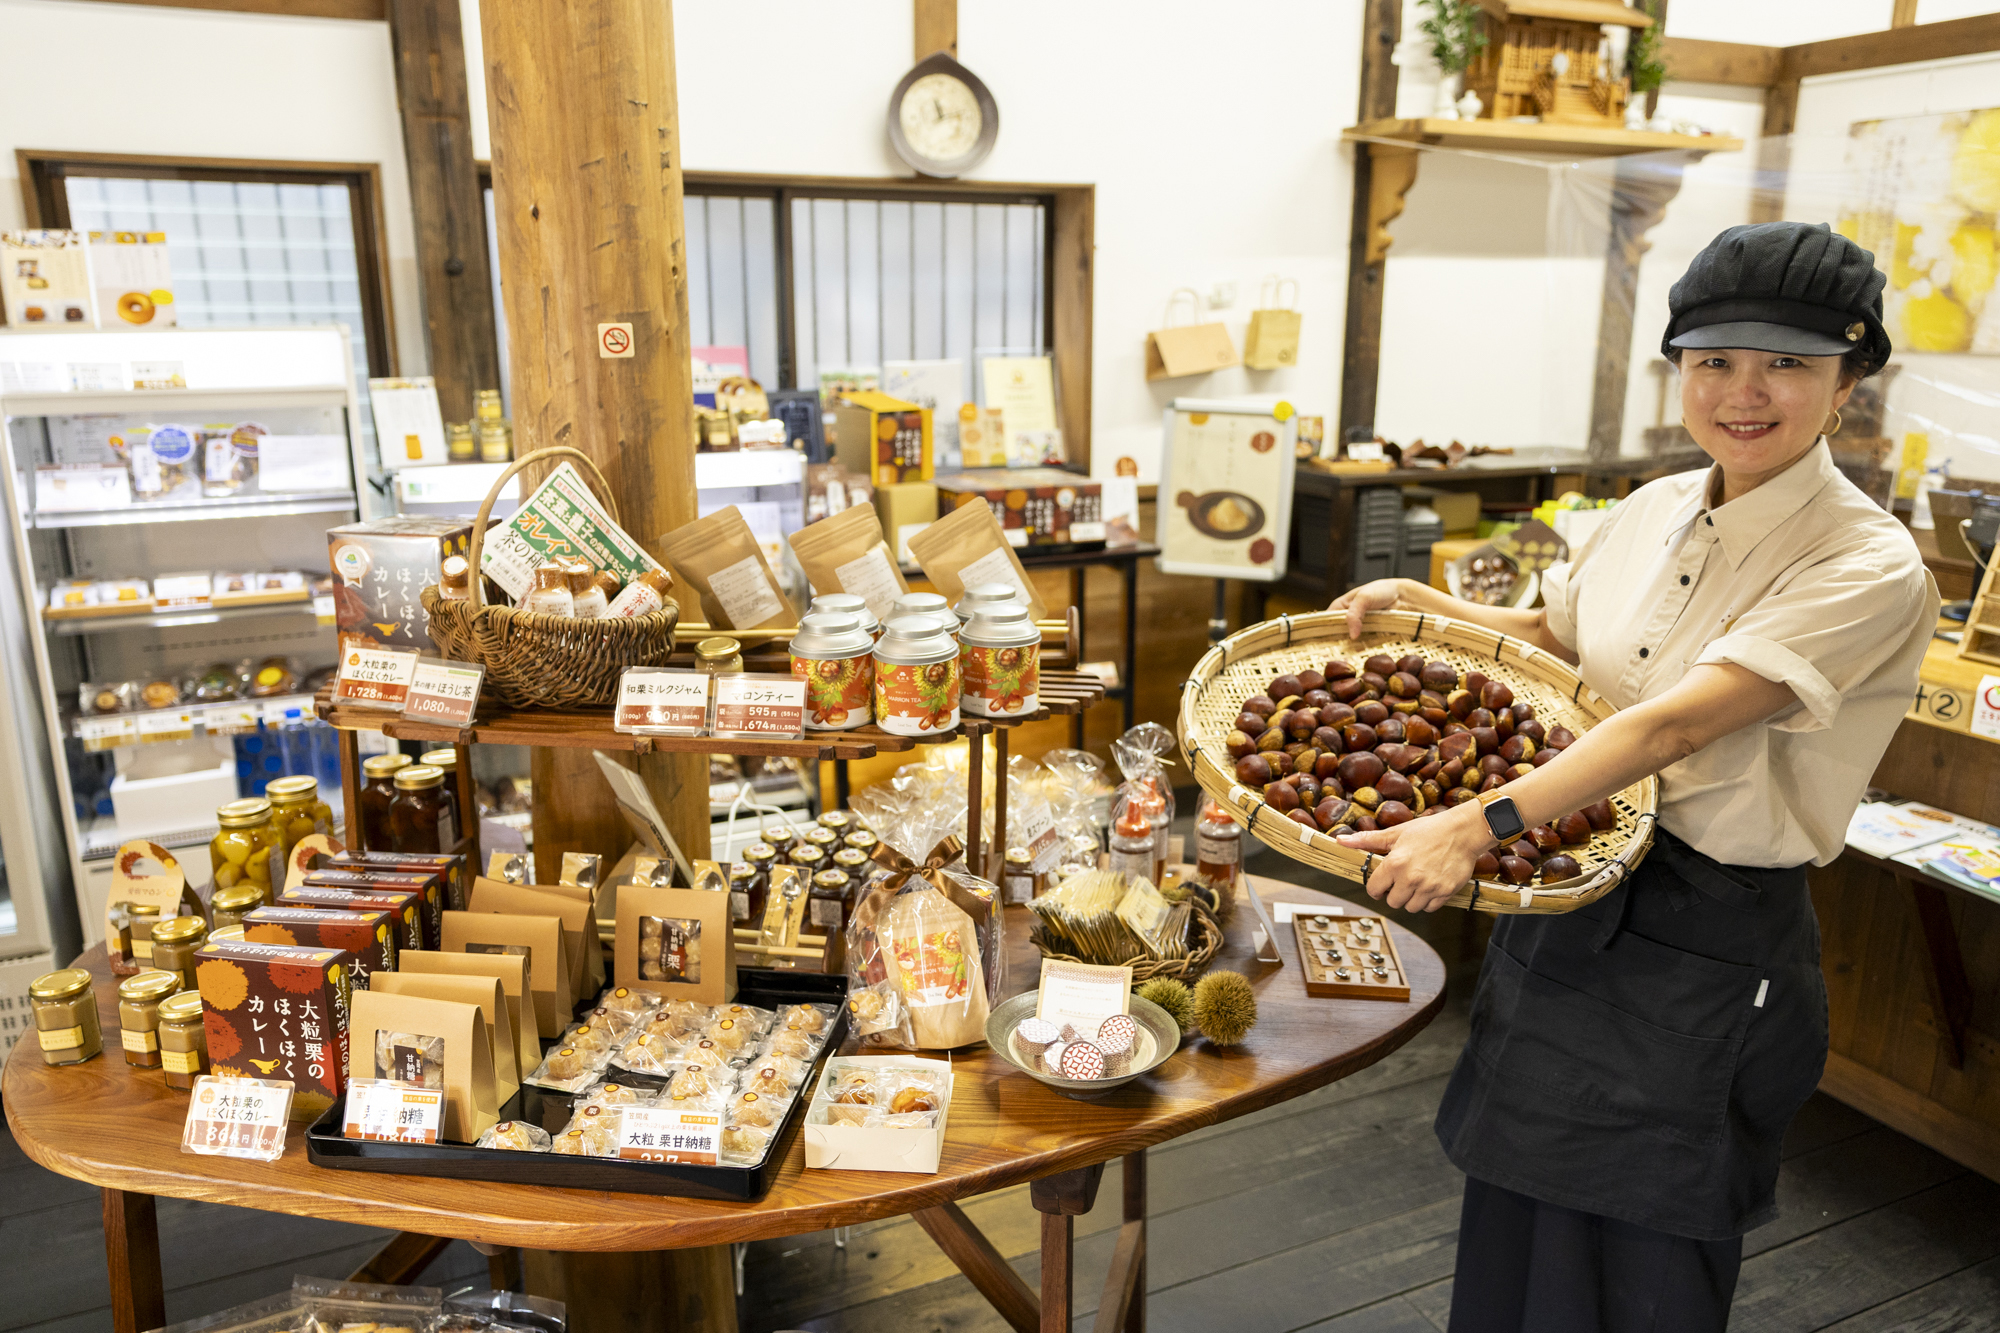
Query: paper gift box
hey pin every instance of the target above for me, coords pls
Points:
(405, 907)
(380, 570)
(682, 937)
(433, 1043)
(884, 439)
(428, 885)
(369, 936)
(1272, 340)
(572, 904)
(278, 1012)
(1187, 349)
(458, 879)
(132, 279)
(905, 510)
(494, 1010)
(1035, 506)
(876, 1147)
(539, 939)
(510, 970)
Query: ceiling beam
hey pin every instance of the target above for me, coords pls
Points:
(374, 10)
(1693, 60)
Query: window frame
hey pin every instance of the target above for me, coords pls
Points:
(46, 203)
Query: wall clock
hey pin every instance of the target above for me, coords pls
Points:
(942, 119)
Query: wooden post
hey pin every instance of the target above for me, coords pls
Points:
(132, 1257)
(1644, 186)
(936, 27)
(587, 195)
(429, 47)
(1361, 357)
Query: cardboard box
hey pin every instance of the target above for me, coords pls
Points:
(1036, 506)
(677, 943)
(884, 439)
(458, 879)
(279, 1012)
(904, 510)
(380, 570)
(45, 280)
(405, 907)
(133, 280)
(369, 936)
(875, 1148)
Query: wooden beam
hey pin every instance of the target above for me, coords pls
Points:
(429, 48)
(132, 1258)
(1645, 185)
(1361, 349)
(1121, 1281)
(984, 1266)
(936, 27)
(1739, 64)
(373, 10)
(1072, 266)
(1904, 15)
(402, 1257)
(1969, 1142)
(1897, 46)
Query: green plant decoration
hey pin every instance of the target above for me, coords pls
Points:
(1645, 64)
(1456, 32)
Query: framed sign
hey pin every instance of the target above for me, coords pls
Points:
(1226, 477)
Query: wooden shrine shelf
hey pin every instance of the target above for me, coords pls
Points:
(1063, 692)
(1511, 136)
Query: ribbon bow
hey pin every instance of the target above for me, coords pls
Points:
(901, 868)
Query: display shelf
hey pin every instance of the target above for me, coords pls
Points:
(1517, 136)
(258, 506)
(194, 615)
(182, 401)
(230, 716)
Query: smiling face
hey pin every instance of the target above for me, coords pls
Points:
(1755, 413)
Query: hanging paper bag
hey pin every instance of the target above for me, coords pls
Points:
(1273, 338)
(1187, 349)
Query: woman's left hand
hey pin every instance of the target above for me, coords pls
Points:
(1424, 861)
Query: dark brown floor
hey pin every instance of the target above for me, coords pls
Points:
(1332, 1212)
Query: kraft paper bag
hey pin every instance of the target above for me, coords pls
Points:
(1272, 341)
(567, 901)
(720, 559)
(510, 970)
(682, 937)
(846, 553)
(432, 1043)
(585, 871)
(1187, 349)
(968, 547)
(484, 992)
(539, 939)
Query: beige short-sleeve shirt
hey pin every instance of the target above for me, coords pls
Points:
(1805, 580)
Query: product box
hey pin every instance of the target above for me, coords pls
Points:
(278, 1012)
(405, 907)
(452, 867)
(1036, 506)
(564, 517)
(45, 280)
(904, 510)
(380, 570)
(884, 439)
(132, 279)
(429, 884)
(369, 936)
(875, 1147)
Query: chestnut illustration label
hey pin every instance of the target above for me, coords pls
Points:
(1001, 682)
(1224, 515)
(917, 700)
(838, 690)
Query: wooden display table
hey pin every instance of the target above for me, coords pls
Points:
(119, 1128)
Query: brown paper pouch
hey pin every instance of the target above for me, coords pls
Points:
(471, 1106)
(510, 970)
(966, 548)
(719, 558)
(492, 1001)
(654, 926)
(846, 553)
(537, 938)
(567, 901)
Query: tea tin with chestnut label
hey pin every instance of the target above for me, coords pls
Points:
(847, 604)
(919, 604)
(833, 653)
(1001, 663)
(986, 594)
(916, 677)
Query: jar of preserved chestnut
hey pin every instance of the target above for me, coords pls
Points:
(742, 880)
(139, 999)
(419, 818)
(445, 761)
(297, 811)
(377, 792)
(65, 1009)
(183, 1040)
(175, 941)
(228, 907)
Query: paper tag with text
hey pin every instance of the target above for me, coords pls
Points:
(443, 692)
(375, 677)
(385, 1109)
(1082, 994)
(754, 704)
(655, 700)
(657, 1134)
(237, 1117)
(1986, 709)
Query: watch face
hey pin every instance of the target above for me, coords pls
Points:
(940, 117)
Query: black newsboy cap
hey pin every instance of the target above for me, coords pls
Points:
(1780, 287)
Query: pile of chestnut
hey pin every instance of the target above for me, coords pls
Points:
(1398, 740)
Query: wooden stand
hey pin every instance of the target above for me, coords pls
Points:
(1350, 958)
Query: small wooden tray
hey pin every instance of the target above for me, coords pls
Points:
(1360, 946)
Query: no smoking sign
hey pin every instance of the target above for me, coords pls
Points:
(614, 341)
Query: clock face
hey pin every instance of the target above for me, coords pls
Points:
(940, 117)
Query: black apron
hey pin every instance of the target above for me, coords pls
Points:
(1640, 1057)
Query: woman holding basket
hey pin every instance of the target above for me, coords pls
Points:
(1633, 1064)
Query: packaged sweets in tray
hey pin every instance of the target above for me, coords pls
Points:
(740, 1073)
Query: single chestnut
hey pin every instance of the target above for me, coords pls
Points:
(1522, 712)
(1305, 758)
(1410, 662)
(1328, 764)
(1239, 745)
(1429, 793)
(1493, 763)
(1367, 798)
(1251, 725)
(1544, 757)
(1521, 770)
(1381, 664)
(1310, 680)
(1474, 682)
(1457, 796)
(1303, 818)
(1315, 698)
(1419, 732)
(1437, 717)
(1574, 829)
(1253, 770)
(1391, 813)
(1280, 762)
(1273, 739)
(1347, 689)
(1561, 738)
(1360, 736)
(1260, 704)
(1453, 727)
(1360, 770)
(1396, 787)
(1479, 717)
(1390, 728)
(1517, 750)
(1365, 824)
(1487, 739)
(1404, 685)
(1460, 703)
(1335, 715)
(1403, 706)
(1503, 724)
(1526, 850)
(1474, 780)
(1460, 745)
(1283, 687)
(1293, 748)
(1371, 712)
(1302, 723)
(1439, 676)
(1451, 771)
(1486, 864)
(1338, 669)
(1430, 770)
(1545, 838)
(1307, 787)
(1532, 729)
(1491, 782)
(1376, 682)
(1558, 868)
(1281, 796)
(1332, 812)
(1515, 870)
(1600, 814)
(1327, 738)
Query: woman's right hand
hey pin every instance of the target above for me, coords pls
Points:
(1381, 595)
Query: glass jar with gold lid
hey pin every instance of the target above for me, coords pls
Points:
(784, 839)
(139, 999)
(861, 840)
(135, 937)
(183, 1039)
(241, 851)
(228, 907)
(822, 837)
(65, 1009)
(445, 760)
(719, 655)
(378, 790)
(297, 810)
(419, 819)
(175, 941)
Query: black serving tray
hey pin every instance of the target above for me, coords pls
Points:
(327, 1146)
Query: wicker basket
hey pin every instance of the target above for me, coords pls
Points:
(1208, 939)
(541, 661)
(1244, 664)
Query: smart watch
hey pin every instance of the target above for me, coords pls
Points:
(1503, 820)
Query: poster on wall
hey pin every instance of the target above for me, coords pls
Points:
(712, 365)
(940, 386)
(1226, 476)
(1925, 199)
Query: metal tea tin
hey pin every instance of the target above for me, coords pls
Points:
(847, 604)
(986, 594)
(833, 653)
(1001, 662)
(916, 677)
(920, 604)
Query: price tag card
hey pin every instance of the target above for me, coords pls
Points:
(1036, 831)
(237, 1117)
(229, 719)
(375, 677)
(444, 692)
(656, 1134)
(107, 733)
(168, 724)
(1082, 994)
(654, 701)
(752, 704)
(380, 1108)
(323, 610)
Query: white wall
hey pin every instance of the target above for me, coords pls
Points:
(211, 84)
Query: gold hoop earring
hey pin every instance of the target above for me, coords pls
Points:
(1836, 424)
